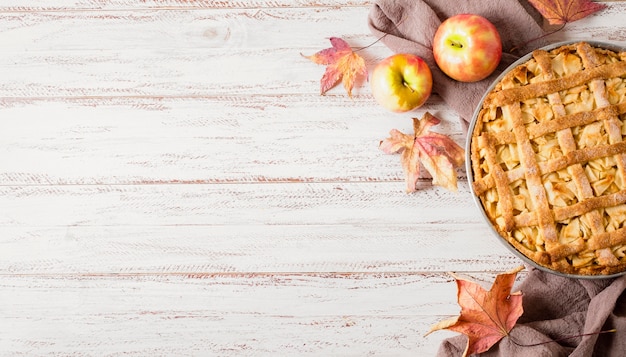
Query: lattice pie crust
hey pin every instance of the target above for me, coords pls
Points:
(548, 159)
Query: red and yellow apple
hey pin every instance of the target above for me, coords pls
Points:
(401, 82)
(467, 47)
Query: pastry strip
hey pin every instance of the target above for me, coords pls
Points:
(533, 178)
(502, 186)
(565, 122)
(612, 127)
(560, 163)
(537, 89)
(568, 144)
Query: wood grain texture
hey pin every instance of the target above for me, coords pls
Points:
(173, 184)
(226, 314)
(225, 139)
(233, 204)
(99, 5)
(202, 249)
(192, 58)
(205, 29)
(216, 54)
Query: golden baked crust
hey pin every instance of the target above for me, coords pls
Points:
(548, 159)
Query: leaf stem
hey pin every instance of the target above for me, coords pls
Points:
(560, 339)
(380, 38)
(371, 44)
(515, 48)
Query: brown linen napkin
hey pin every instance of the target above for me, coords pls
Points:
(408, 26)
(557, 307)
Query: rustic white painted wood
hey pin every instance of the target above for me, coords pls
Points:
(173, 184)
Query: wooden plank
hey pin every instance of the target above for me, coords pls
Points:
(108, 5)
(233, 204)
(161, 73)
(163, 30)
(44, 56)
(216, 28)
(92, 5)
(287, 314)
(216, 53)
(202, 249)
(203, 140)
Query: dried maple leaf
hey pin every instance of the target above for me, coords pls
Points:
(439, 154)
(560, 12)
(486, 316)
(342, 64)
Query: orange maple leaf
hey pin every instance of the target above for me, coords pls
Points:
(560, 12)
(439, 154)
(486, 316)
(342, 64)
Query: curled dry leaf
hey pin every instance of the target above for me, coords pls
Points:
(439, 154)
(342, 64)
(486, 316)
(560, 12)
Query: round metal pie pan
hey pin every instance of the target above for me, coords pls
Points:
(468, 164)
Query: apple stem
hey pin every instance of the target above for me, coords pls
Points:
(408, 86)
(456, 44)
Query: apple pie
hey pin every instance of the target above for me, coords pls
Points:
(548, 158)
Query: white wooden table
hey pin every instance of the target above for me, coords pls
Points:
(172, 183)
